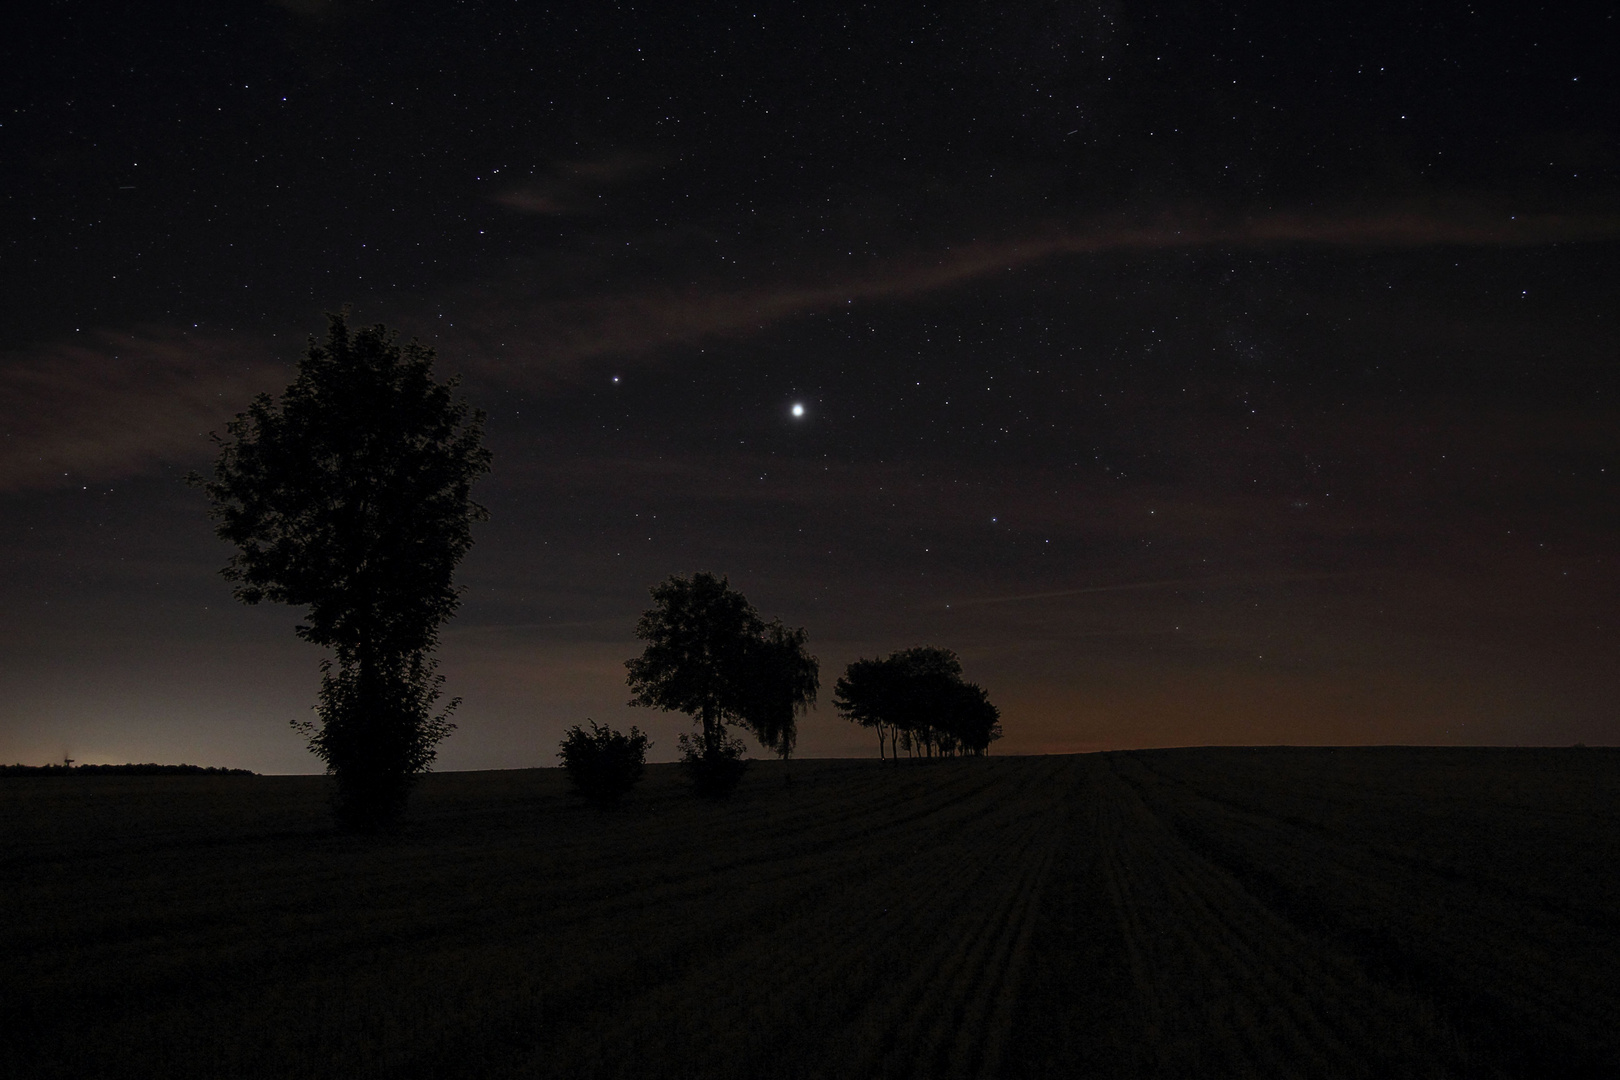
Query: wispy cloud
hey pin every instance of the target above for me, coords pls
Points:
(116, 404)
(563, 333)
(573, 187)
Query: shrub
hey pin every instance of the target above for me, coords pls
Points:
(714, 769)
(603, 764)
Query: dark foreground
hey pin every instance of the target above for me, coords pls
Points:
(1274, 912)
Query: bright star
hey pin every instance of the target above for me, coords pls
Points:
(798, 410)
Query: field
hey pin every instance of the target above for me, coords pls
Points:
(1242, 912)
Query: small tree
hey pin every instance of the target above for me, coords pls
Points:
(711, 656)
(972, 721)
(924, 678)
(869, 694)
(778, 684)
(603, 764)
(350, 497)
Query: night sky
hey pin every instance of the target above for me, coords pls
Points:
(1201, 373)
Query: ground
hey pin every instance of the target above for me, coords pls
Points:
(1218, 912)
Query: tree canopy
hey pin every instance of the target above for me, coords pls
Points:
(351, 497)
(916, 699)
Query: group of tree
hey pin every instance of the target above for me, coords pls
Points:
(350, 496)
(916, 701)
(710, 655)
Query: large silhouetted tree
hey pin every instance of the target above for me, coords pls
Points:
(916, 699)
(711, 656)
(350, 497)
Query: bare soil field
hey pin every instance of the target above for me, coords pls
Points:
(1215, 912)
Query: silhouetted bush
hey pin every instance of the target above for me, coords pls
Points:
(715, 768)
(603, 764)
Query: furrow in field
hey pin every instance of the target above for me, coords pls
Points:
(1421, 927)
(977, 944)
(516, 937)
(1356, 880)
(931, 1004)
(1234, 988)
(992, 1013)
(1223, 934)
(811, 963)
(1202, 913)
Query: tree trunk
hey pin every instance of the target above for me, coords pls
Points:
(711, 736)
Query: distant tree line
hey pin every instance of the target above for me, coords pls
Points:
(148, 769)
(710, 655)
(916, 701)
